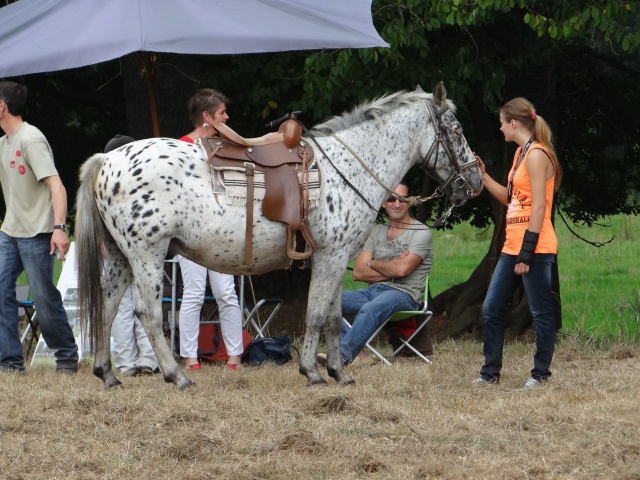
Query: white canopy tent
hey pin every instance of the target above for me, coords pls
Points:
(49, 35)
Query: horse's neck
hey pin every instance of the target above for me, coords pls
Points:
(388, 150)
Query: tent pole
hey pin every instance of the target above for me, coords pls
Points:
(151, 87)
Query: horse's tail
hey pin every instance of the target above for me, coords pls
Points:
(89, 233)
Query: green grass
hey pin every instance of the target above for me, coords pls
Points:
(600, 287)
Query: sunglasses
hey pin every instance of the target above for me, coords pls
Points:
(394, 200)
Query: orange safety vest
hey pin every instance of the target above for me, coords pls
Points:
(519, 211)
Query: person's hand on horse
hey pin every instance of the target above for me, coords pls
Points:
(480, 163)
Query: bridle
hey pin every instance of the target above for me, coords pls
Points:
(442, 139)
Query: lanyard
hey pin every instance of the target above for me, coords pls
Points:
(515, 168)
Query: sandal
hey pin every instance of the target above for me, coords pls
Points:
(195, 366)
(232, 366)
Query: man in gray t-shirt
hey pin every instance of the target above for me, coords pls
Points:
(395, 261)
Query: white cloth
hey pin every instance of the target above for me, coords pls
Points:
(234, 182)
(194, 278)
(131, 346)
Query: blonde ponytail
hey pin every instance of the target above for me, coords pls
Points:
(523, 110)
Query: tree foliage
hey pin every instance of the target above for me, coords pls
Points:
(575, 60)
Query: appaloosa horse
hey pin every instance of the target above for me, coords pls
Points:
(153, 199)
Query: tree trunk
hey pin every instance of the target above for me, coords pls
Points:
(172, 80)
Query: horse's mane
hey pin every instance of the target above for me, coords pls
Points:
(372, 110)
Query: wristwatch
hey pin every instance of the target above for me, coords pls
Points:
(60, 227)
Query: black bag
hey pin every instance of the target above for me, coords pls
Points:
(270, 349)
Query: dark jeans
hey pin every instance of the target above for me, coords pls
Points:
(371, 307)
(537, 284)
(32, 255)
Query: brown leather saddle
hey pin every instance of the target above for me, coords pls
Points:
(280, 156)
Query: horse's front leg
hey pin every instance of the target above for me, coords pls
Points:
(324, 314)
(149, 311)
(308, 361)
(335, 365)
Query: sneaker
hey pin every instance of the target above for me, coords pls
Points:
(321, 358)
(534, 383)
(145, 370)
(364, 361)
(481, 382)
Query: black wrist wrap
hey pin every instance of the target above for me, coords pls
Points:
(529, 243)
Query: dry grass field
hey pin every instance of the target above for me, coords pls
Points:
(408, 421)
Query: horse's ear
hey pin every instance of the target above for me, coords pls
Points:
(440, 94)
(419, 88)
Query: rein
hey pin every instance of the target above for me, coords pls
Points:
(312, 137)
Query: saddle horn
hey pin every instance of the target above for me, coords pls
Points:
(278, 121)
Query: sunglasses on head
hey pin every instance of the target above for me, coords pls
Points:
(394, 199)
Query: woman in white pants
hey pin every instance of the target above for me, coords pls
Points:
(207, 107)
(194, 278)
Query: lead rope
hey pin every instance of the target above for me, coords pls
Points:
(412, 201)
(313, 138)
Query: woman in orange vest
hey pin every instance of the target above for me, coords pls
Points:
(530, 247)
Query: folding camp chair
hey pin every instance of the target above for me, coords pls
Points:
(27, 310)
(252, 317)
(422, 318)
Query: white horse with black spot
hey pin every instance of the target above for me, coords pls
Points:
(152, 199)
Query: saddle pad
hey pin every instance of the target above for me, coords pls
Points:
(234, 181)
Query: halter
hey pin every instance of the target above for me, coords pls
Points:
(442, 139)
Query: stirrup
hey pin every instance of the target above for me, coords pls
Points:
(309, 248)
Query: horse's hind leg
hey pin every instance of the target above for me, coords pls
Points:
(116, 279)
(148, 274)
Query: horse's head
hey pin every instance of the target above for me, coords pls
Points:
(446, 155)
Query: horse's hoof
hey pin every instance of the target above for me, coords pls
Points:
(185, 385)
(348, 381)
(343, 378)
(113, 383)
(317, 381)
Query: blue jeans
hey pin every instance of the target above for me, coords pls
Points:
(32, 255)
(371, 308)
(537, 284)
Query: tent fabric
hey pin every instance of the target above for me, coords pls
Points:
(50, 35)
